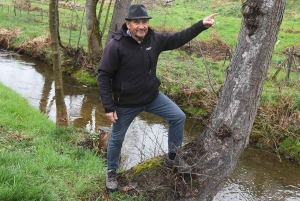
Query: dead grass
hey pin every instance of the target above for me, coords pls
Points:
(37, 47)
(216, 3)
(215, 48)
(6, 36)
(292, 31)
(4, 33)
(275, 122)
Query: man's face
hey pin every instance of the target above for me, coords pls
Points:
(138, 28)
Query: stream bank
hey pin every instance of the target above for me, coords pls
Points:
(276, 128)
(259, 175)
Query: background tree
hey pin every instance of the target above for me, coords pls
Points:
(61, 111)
(215, 152)
(118, 17)
(94, 33)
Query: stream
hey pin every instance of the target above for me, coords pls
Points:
(259, 175)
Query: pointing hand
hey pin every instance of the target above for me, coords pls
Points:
(209, 21)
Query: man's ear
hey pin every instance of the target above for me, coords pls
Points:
(127, 23)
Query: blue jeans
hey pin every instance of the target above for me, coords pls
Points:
(161, 106)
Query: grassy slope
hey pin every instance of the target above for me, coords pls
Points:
(39, 161)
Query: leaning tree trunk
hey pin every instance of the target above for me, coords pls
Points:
(215, 153)
(118, 18)
(61, 111)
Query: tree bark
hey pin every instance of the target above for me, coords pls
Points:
(118, 18)
(216, 151)
(95, 47)
(61, 111)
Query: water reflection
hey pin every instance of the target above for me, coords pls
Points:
(258, 176)
(34, 80)
(146, 137)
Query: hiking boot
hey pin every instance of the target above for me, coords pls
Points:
(111, 180)
(178, 163)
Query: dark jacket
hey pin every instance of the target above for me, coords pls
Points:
(127, 72)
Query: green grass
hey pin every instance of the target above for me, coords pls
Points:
(291, 148)
(179, 16)
(177, 69)
(41, 162)
(85, 77)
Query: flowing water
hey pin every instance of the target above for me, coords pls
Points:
(259, 175)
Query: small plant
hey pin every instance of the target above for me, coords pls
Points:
(297, 103)
(148, 165)
(291, 148)
(84, 76)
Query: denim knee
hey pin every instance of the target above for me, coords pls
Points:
(179, 117)
(182, 116)
(116, 141)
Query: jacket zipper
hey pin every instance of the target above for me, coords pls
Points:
(150, 70)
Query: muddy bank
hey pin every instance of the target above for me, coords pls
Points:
(40, 48)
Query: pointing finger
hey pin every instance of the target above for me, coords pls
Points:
(212, 16)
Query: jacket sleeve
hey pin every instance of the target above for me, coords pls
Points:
(106, 73)
(175, 40)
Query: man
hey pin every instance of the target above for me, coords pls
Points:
(128, 84)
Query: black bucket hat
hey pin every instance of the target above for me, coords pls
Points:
(137, 11)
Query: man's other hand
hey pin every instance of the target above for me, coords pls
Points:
(112, 116)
